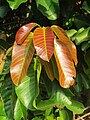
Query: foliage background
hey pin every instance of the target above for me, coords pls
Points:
(74, 17)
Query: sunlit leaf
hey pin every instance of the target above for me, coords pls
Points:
(49, 8)
(19, 111)
(76, 107)
(21, 58)
(65, 64)
(14, 4)
(23, 32)
(60, 33)
(44, 42)
(28, 90)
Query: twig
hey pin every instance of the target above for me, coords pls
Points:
(87, 108)
(81, 118)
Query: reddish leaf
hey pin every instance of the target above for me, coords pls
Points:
(44, 42)
(60, 33)
(23, 32)
(65, 64)
(21, 58)
(48, 68)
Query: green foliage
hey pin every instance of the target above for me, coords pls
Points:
(14, 4)
(38, 98)
(49, 8)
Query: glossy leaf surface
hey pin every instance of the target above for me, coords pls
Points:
(49, 8)
(28, 90)
(76, 107)
(14, 4)
(65, 64)
(23, 32)
(21, 58)
(8, 99)
(19, 111)
(61, 34)
(44, 42)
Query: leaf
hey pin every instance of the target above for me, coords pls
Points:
(44, 42)
(65, 64)
(23, 32)
(28, 90)
(61, 34)
(21, 58)
(83, 36)
(19, 111)
(86, 6)
(49, 8)
(14, 4)
(76, 107)
(64, 114)
(85, 46)
(2, 110)
(4, 8)
(55, 69)
(48, 68)
(7, 96)
(71, 32)
(58, 98)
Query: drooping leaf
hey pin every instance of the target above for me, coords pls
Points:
(76, 107)
(60, 33)
(55, 69)
(23, 32)
(49, 8)
(82, 35)
(19, 111)
(14, 4)
(48, 68)
(28, 90)
(21, 58)
(44, 42)
(58, 98)
(65, 64)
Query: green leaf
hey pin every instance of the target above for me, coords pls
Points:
(14, 4)
(71, 32)
(81, 35)
(76, 107)
(4, 8)
(64, 115)
(86, 6)
(49, 8)
(85, 46)
(3, 118)
(8, 96)
(28, 90)
(58, 98)
(19, 111)
(2, 110)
